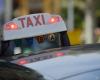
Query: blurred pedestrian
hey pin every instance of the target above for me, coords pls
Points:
(97, 30)
(97, 33)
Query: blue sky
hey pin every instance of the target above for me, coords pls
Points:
(1, 5)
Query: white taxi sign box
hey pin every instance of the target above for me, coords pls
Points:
(33, 25)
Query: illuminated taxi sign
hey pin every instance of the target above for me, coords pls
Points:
(34, 25)
(33, 20)
(11, 26)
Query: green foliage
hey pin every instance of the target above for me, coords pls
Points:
(79, 16)
(64, 13)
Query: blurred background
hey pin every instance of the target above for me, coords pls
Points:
(82, 17)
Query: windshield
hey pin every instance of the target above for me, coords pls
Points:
(31, 45)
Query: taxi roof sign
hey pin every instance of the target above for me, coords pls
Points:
(33, 25)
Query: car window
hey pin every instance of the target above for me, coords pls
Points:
(89, 75)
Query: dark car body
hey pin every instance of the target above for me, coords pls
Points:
(10, 71)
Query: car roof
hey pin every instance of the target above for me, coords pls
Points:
(79, 59)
